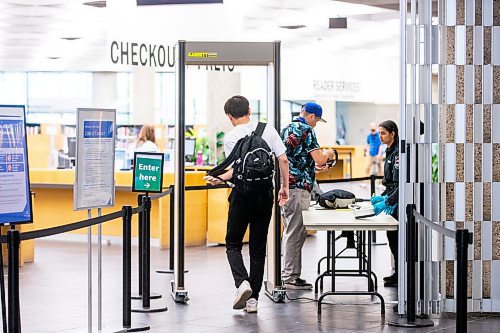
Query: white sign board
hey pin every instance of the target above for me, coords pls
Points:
(15, 199)
(95, 159)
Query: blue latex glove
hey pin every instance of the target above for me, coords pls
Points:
(379, 207)
(377, 198)
(390, 209)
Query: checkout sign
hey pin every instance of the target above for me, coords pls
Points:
(148, 172)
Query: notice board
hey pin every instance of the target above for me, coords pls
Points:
(15, 197)
(95, 159)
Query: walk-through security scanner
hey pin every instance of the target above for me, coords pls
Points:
(238, 54)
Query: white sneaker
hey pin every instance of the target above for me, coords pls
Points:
(242, 295)
(252, 304)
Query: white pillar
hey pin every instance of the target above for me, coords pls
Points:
(143, 95)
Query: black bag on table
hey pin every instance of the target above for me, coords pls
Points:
(336, 199)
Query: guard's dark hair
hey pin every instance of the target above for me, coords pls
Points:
(237, 106)
(391, 126)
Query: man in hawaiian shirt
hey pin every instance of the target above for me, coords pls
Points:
(305, 158)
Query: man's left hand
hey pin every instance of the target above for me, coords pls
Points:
(212, 180)
(283, 196)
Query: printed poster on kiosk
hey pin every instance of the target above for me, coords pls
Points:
(95, 159)
(15, 198)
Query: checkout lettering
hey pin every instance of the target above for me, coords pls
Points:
(136, 54)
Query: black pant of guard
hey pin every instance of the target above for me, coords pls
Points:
(392, 238)
(256, 211)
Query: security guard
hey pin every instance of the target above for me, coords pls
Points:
(388, 201)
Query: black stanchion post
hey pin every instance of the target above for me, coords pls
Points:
(127, 263)
(2, 293)
(171, 231)
(140, 224)
(372, 185)
(411, 259)
(127, 272)
(146, 301)
(462, 242)
(372, 192)
(171, 259)
(410, 262)
(13, 240)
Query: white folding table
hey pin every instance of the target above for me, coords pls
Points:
(321, 219)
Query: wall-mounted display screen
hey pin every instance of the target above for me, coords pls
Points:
(174, 2)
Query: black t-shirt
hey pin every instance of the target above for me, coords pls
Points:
(391, 174)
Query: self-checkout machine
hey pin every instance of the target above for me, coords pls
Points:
(225, 54)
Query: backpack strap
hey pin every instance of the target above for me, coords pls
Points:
(221, 168)
(260, 129)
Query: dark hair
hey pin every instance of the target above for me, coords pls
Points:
(391, 126)
(237, 106)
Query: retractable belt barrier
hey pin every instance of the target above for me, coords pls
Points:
(348, 180)
(462, 239)
(14, 238)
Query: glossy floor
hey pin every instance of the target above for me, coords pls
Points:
(54, 295)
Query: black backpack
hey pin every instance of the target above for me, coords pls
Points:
(253, 167)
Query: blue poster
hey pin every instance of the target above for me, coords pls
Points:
(97, 129)
(15, 199)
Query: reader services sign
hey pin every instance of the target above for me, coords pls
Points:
(148, 172)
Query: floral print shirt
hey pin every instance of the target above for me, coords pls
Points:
(300, 140)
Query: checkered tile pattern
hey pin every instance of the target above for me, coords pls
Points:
(462, 118)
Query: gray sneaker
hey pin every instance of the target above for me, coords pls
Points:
(252, 304)
(298, 284)
(242, 295)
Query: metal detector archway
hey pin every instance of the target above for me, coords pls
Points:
(225, 53)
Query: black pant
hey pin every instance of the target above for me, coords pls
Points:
(255, 210)
(392, 237)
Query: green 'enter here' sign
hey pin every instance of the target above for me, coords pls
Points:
(148, 172)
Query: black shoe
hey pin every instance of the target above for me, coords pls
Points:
(393, 276)
(393, 282)
(298, 284)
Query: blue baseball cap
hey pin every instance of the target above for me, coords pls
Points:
(314, 109)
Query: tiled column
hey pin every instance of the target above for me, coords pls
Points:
(471, 103)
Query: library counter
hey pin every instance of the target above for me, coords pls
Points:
(54, 205)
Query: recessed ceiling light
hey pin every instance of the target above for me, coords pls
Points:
(71, 38)
(338, 23)
(298, 26)
(53, 58)
(98, 4)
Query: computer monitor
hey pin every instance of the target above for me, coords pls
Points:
(189, 147)
(71, 147)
